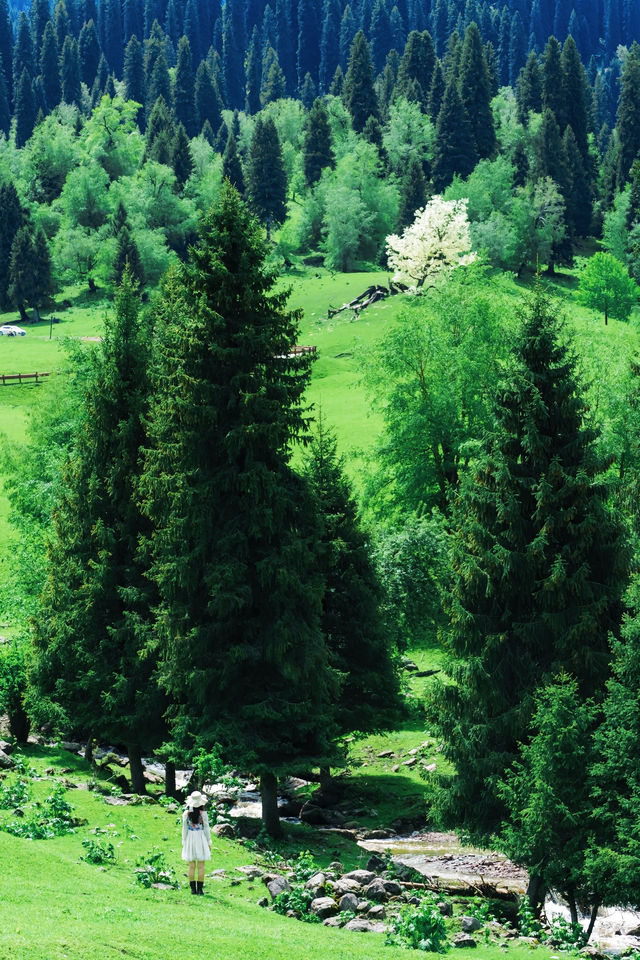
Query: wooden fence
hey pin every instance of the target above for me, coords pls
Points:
(10, 377)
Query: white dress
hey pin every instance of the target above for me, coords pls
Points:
(196, 838)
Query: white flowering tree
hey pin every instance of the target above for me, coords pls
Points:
(437, 242)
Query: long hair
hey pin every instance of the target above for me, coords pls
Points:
(195, 815)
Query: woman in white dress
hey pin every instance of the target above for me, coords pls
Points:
(196, 839)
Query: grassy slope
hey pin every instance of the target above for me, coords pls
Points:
(57, 907)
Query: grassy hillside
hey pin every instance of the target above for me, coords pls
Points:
(56, 906)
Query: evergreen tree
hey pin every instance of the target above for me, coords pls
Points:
(6, 42)
(113, 42)
(61, 22)
(236, 560)
(44, 287)
(253, 74)
(517, 47)
(337, 84)
(100, 81)
(436, 92)
(553, 82)
(132, 20)
(12, 219)
(127, 259)
(232, 53)
(49, 68)
(183, 89)
(266, 180)
(308, 92)
(475, 93)
(577, 197)
(207, 102)
(158, 84)
(358, 93)
(160, 133)
(133, 71)
(25, 109)
(192, 27)
(439, 26)
(29, 271)
(181, 159)
(317, 150)
(492, 67)
(95, 603)
(285, 47)
(529, 88)
(70, 72)
(379, 34)
(273, 85)
(413, 193)
(504, 36)
(329, 44)
(352, 620)
(208, 134)
(577, 97)
(348, 30)
(454, 150)
(231, 165)
(89, 53)
(417, 64)
(307, 56)
(5, 109)
(23, 55)
(628, 120)
(551, 160)
(539, 565)
(40, 16)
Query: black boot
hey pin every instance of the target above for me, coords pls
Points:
(200, 890)
(192, 884)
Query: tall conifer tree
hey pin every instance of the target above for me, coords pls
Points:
(183, 88)
(266, 180)
(358, 93)
(475, 92)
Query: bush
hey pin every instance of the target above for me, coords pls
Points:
(419, 928)
(153, 868)
(14, 794)
(304, 867)
(564, 935)
(98, 851)
(298, 900)
(52, 818)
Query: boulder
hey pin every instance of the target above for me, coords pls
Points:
(470, 924)
(323, 907)
(376, 863)
(5, 746)
(71, 745)
(263, 902)
(277, 885)
(314, 815)
(348, 902)
(463, 940)
(377, 913)
(446, 909)
(386, 753)
(251, 872)
(379, 834)
(376, 891)
(290, 807)
(363, 877)
(316, 882)
(346, 885)
(333, 922)
(5, 761)
(360, 925)
(335, 867)
(410, 763)
(393, 888)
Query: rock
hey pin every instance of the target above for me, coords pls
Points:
(409, 665)
(316, 882)
(152, 777)
(363, 906)
(290, 807)
(225, 800)
(251, 872)
(414, 901)
(376, 863)
(6, 747)
(315, 815)
(634, 932)
(416, 750)
(377, 913)
(365, 926)
(248, 827)
(335, 867)
(346, 831)
(116, 801)
(380, 834)
(348, 902)
(278, 885)
(470, 924)
(386, 753)
(463, 940)
(446, 909)
(220, 873)
(395, 767)
(162, 886)
(323, 907)
(363, 877)
(333, 922)
(345, 885)
(263, 902)
(376, 891)
(429, 767)
(5, 761)
(71, 745)
(409, 763)
(393, 888)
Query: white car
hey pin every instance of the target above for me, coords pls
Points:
(8, 330)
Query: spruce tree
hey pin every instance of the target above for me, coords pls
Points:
(577, 97)
(235, 555)
(133, 71)
(253, 74)
(158, 84)
(113, 43)
(5, 109)
(273, 84)
(552, 82)
(266, 180)
(379, 34)
(436, 92)
(308, 92)
(100, 81)
(348, 30)
(413, 192)
(231, 164)
(181, 159)
(329, 44)
(577, 197)
(23, 55)
(49, 68)
(517, 47)
(89, 53)
(308, 52)
(416, 64)
(475, 92)
(6, 43)
(628, 118)
(127, 259)
(12, 219)
(353, 623)
(30, 282)
(160, 134)
(358, 93)
(454, 150)
(337, 84)
(539, 566)
(183, 88)
(207, 103)
(317, 150)
(40, 16)
(94, 670)
(70, 72)
(529, 89)
(61, 22)
(24, 109)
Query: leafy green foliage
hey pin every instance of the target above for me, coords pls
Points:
(605, 285)
(98, 850)
(152, 868)
(419, 928)
(51, 818)
(304, 866)
(14, 794)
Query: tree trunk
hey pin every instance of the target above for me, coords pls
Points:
(535, 893)
(19, 722)
(88, 750)
(92, 284)
(170, 779)
(36, 315)
(592, 919)
(325, 776)
(138, 783)
(269, 795)
(23, 313)
(573, 909)
(606, 317)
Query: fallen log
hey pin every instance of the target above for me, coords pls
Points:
(463, 888)
(369, 296)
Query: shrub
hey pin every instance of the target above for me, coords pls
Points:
(420, 928)
(304, 866)
(14, 794)
(298, 900)
(52, 818)
(98, 851)
(153, 868)
(564, 935)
